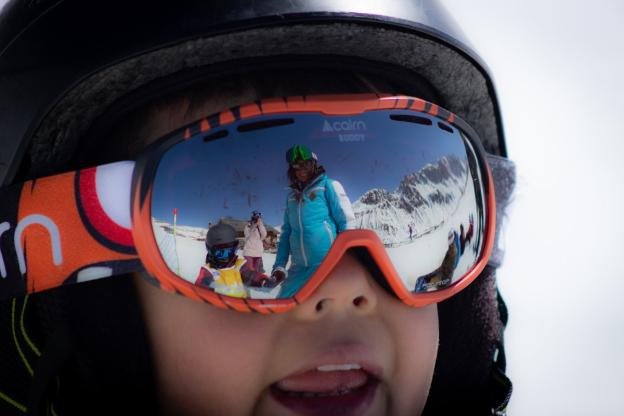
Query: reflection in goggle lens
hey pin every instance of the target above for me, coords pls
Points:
(416, 184)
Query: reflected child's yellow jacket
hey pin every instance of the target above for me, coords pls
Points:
(228, 281)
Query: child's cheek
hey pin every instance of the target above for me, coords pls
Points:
(416, 335)
(208, 361)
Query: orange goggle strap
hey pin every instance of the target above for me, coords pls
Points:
(67, 228)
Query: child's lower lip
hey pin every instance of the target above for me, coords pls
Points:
(352, 403)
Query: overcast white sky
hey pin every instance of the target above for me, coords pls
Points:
(558, 68)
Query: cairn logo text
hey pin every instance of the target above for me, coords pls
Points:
(348, 130)
(343, 125)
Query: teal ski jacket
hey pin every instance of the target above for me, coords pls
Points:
(312, 220)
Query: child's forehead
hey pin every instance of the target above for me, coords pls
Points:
(158, 118)
(162, 114)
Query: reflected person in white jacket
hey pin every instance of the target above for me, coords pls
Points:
(255, 232)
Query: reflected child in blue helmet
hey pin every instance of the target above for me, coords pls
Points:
(224, 270)
(317, 209)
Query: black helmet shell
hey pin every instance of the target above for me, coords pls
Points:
(220, 234)
(52, 88)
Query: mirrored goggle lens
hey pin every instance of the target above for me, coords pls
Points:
(223, 253)
(308, 164)
(412, 179)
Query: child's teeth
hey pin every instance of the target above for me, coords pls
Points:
(339, 367)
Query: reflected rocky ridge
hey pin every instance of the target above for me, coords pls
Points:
(424, 199)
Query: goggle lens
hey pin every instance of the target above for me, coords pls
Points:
(413, 180)
(223, 253)
(307, 165)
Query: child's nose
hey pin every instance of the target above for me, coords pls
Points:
(347, 290)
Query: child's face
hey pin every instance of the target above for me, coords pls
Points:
(213, 361)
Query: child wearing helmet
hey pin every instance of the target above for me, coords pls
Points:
(317, 209)
(222, 268)
(141, 344)
(225, 271)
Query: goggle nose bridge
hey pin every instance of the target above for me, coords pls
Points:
(368, 246)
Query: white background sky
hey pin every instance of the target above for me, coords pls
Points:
(558, 68)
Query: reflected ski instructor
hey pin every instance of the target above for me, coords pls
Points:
(317, 209)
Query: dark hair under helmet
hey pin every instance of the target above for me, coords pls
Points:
(69, 69)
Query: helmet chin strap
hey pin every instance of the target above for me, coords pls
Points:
(231, 262)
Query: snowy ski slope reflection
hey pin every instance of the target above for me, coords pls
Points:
(425, 253)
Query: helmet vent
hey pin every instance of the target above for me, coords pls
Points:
(214, 136)
(411, 119)
(444, 127)
(264, 124)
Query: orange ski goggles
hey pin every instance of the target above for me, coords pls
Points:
(400, 177)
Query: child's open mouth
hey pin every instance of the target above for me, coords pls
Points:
(344, 389)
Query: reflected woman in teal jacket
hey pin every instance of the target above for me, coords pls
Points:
(317, 209)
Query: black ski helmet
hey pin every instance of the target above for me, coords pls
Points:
(52, 88)
(219, 235)
(64, 64)
(221, 238)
